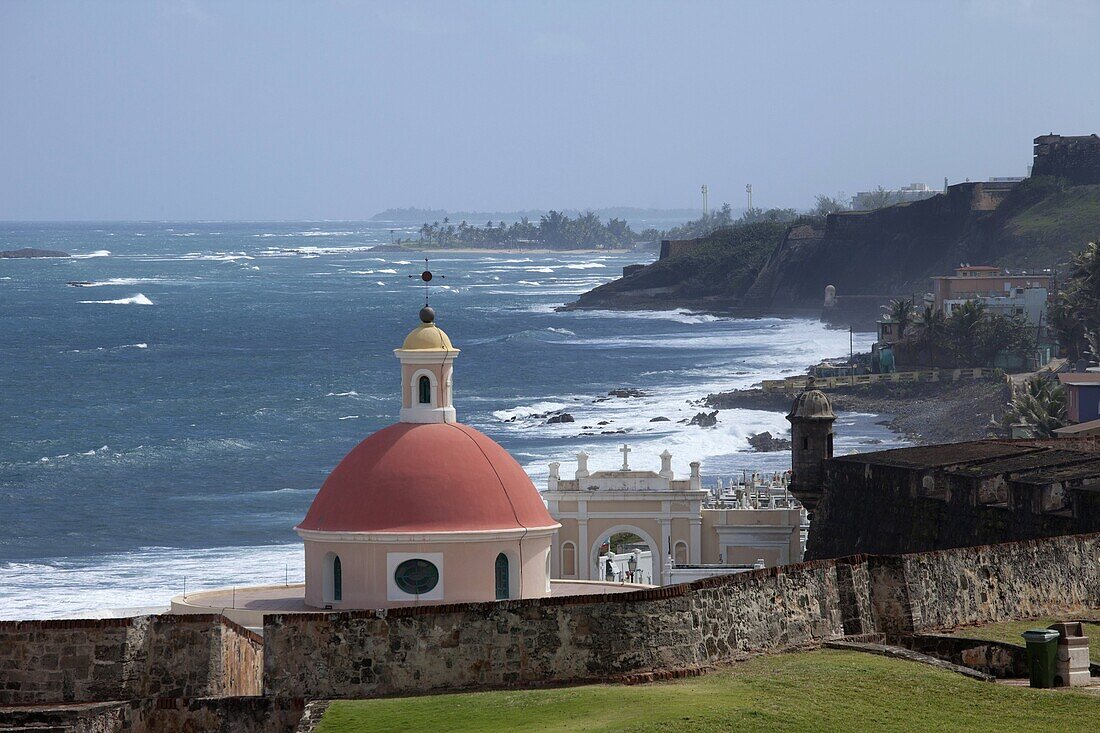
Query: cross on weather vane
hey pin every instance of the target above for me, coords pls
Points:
(427, 278)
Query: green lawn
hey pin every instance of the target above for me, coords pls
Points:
(823, 690)
(1010, 631)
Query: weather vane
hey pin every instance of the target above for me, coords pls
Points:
(427, 278)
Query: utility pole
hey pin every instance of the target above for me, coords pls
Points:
(748, 190)
(704, 190)
(851, 358)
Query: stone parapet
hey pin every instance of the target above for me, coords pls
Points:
(88, 660)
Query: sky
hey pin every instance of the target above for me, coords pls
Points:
(233, 110)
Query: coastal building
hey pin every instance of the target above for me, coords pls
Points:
(1001, 292)
(1082, 395)
(673, 528)
(889, 330)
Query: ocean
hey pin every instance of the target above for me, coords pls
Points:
(166, 423)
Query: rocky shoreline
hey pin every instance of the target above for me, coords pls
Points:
(925, 412)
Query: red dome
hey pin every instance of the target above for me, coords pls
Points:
(430, 477)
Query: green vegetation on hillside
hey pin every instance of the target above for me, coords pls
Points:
(816, 691)
(1049, 216)
(723, 265)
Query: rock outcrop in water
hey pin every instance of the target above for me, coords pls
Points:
(31, 253)
(765, 443)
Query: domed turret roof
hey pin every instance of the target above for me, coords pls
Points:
(427, 337)
(433, 477)
(813, 404)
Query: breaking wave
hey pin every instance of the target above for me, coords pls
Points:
(138, 299)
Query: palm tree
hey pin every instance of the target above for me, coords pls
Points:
(1040, 406)
(963, 326)
(931, 326)
(901, 311)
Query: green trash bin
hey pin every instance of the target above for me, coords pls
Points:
(1042, 653)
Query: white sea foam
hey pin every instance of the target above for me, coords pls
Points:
(387, 272)
(349, 393)
(679, 315)
(138, 299)
(97, 253)
(348, 417)
(110, 585)
(122, 281)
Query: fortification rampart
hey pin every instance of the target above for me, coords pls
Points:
(187, 672)
(676, 629)
(88, 660)
(954, 496)
(1076, 158)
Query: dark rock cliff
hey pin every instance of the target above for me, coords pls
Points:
(868, 256)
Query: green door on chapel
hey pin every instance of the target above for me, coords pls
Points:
(502, 577)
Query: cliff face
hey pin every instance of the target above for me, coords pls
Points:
(713, 273)
(878, 253)
(868, 256)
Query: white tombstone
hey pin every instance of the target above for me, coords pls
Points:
(582, 465)
(666, 465)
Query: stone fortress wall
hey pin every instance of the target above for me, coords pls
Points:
(674, 630)
(171, 672)
(955, 495)
(1076, 158)
(86, 660)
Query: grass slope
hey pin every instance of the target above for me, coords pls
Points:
(816, 691)
(1009, 631)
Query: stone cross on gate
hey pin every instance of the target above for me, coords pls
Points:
(625, 450)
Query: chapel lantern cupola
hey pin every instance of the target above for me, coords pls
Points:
(427, 364)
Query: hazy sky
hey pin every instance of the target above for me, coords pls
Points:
(273, 110)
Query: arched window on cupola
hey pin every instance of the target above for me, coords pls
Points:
(502, 577)
(337, 579)
(424, 386)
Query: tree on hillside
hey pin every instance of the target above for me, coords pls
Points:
(996, 333)
(1076, 314)
(1040, 406)
(1068, 328)
(931, 330)
(825, 205)
(901, 311)
(876, 199)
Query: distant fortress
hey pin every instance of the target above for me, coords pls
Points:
(1075, 158)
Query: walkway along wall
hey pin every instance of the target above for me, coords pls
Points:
(675, 629)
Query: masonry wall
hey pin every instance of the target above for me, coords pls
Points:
(89, 660)
(886, 510)
(676, 629)
(556, 640)
(1016, 580)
